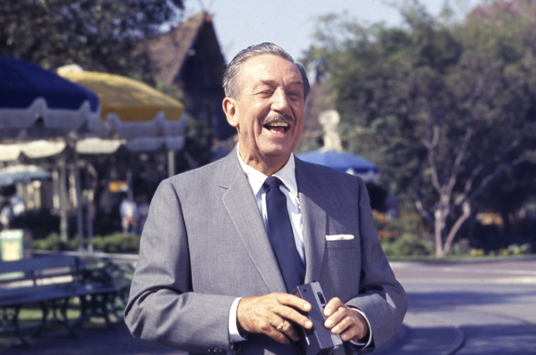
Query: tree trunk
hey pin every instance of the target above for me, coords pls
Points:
(456, 227)
(438, 232)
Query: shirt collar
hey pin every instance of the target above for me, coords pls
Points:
(286, 174)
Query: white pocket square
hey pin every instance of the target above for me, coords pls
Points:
(331, 238)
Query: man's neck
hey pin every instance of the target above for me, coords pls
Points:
(268, 165)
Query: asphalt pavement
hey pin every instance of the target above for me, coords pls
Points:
(478, 307)
(466, 308)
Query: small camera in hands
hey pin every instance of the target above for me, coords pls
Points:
(318, 340)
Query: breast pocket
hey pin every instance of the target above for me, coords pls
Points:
(341, 268)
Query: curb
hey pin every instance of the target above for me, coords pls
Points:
(459, 342)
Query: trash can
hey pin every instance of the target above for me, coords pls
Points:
(13, 243)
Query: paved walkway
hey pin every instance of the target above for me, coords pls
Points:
(465, 308)
(482, 307)
(91, 340)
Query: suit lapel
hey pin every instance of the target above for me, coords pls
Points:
(240, 204)
(313, 220)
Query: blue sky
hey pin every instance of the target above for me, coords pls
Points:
(290, 23)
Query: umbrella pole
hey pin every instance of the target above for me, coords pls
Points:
(63, 201)
(91, 186)
(89, 204)
(79, 217)
(130, 186)
(171, 163)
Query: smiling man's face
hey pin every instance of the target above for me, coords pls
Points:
(268, 114)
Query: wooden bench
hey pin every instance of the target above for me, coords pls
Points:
(51, 282)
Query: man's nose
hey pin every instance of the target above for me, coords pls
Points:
(280, 101)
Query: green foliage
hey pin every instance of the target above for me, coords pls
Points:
(52, 242)
(400, 238)
(443, 109)
(117, 243)
(114, 243)
(516, 249)
(408, 245)
(99, 35)
(387, 229)
(460, 249)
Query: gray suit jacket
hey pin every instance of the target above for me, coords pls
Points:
(204, 244)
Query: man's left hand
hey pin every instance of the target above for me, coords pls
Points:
(345, 321)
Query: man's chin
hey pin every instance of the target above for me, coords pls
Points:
(278, 151)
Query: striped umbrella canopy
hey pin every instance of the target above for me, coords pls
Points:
(36, 103)
(130, 108)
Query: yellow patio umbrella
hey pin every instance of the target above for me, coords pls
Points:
(133, 113)
(131, 109)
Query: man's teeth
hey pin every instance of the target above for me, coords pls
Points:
(278, 124)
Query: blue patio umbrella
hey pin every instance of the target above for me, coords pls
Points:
(343, 161)
(38, 103)
(22, 173)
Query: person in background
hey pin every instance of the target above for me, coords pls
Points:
(128, 212)
(16, 201)
(6, 213)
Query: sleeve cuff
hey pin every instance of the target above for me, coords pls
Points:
(362, 344)
(234, 333)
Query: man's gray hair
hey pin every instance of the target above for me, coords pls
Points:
(231, 77)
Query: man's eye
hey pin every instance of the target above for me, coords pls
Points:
(294, 96)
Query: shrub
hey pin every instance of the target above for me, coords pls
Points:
(114, 243)
(406, 246)
(117, 242)
(387, 228)
(516, 249)
(461, 248)
(51, 242)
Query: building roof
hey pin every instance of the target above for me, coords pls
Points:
(169, 51)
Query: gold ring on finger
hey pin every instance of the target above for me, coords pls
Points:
(353, 319)
(280, 326)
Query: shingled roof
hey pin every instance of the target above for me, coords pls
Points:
(169, 51)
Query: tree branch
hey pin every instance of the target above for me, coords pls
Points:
(422, 211)
(431, 156)
(490, 177)
(458, 160)
(469, 183)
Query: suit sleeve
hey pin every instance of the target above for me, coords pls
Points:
(162, 309)
(381, 297)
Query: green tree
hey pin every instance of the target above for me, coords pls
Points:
(97, 34)
(443, 109)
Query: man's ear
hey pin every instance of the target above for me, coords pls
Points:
(230, 109)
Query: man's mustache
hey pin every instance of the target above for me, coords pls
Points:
(278, 118)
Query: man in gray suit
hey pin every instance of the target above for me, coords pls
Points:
(209, 277)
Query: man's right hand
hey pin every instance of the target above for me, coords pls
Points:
(264, 314)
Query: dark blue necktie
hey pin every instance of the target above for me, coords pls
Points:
(281, 235)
